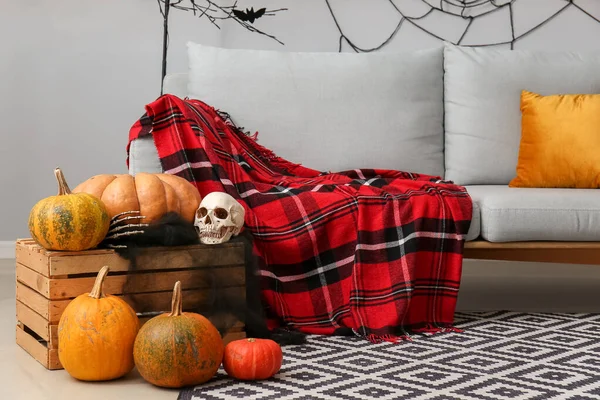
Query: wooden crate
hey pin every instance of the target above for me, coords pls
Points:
(48, 280)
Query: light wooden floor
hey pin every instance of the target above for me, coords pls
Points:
(23, 378)
(485, 286)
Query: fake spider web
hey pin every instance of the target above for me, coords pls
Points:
(467, 11)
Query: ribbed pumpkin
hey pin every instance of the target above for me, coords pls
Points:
(153, 195)
(252, 359)
(68, 221)
(96, 334)
(178, 349)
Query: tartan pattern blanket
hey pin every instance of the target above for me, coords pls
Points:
(377, 252)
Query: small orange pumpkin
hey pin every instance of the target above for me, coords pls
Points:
(153, 195)
(68, 221)
(178, 349)
(96, 334)
(252, 359)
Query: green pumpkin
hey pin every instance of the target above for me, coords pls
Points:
(178, 349)
(68, 221)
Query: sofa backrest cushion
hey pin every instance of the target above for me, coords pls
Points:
(330, 111)
(482, 92)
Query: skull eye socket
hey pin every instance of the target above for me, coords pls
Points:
(221, 213)
(201, 213)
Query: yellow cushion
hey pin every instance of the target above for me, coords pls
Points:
(560, 141)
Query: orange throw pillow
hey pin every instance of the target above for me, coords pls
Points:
(560, 141)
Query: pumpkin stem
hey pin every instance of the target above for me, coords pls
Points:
(176, 303)
(97, 292)
(251, 340)
(63, 187)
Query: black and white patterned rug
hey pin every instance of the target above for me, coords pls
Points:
(501, 355)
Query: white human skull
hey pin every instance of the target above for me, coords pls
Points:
(218, 218)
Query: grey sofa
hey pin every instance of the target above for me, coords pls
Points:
(449, 111)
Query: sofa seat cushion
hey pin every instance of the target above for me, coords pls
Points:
(475, 228)
(527, 214)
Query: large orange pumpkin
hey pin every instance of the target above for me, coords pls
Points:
(252, 359)
(153, 195)
(178, 349)
(67, 221)
(96, 334)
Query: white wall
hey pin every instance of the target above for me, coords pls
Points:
(74, 76)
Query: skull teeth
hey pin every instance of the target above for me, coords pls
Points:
(209, 232)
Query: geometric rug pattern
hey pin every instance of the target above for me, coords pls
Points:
(500, 355)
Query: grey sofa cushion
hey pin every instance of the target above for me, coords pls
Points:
(331, 111)
(524, 214)
(143, 156)
(482, 104)
(475, 228)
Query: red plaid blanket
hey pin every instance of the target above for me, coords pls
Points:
(375, 251)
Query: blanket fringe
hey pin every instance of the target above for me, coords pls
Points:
(226, 118)
(427, 330)
(453, 329)
(430, 329)
(240, 130)
(387, 338)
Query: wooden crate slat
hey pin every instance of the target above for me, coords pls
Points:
(230, 337)
(53, 360)
(47, 357)
(146, 282)
(33, 321)
(53, 343)
(238, 327)
(32, 244)
(155, 259)
(84, 264)
(52, 253)
(161, 301)
(49, 309)
(143, 302)
(34, 260)
(91, 252)
(33, 280)
(61, 263)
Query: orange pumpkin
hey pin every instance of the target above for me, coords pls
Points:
(67, 221)
(252, 359)
(178, 349)
(96, 334)
(153, 195)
